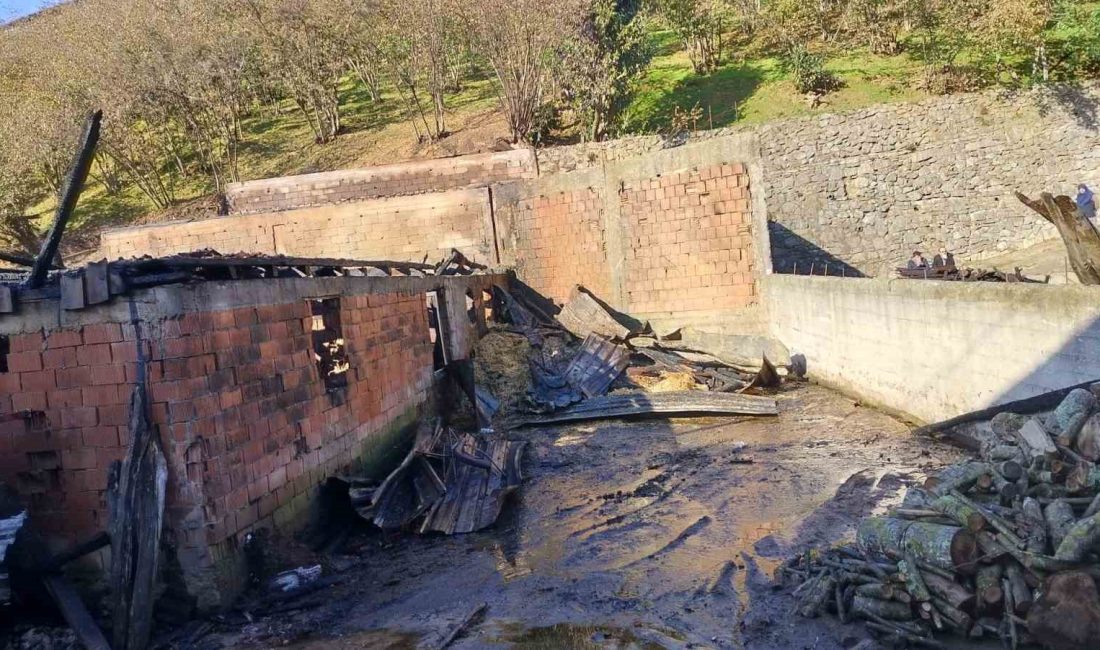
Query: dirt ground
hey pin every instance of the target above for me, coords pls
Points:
(642, 534)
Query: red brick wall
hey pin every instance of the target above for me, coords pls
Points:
(401, 228)
(688, 241)
(676, 242)
(276, 194)
(560, 242)
(241, 408)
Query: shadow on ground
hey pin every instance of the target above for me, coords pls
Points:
(653, 533)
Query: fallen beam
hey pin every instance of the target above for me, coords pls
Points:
(673, 404)
(1025, 406)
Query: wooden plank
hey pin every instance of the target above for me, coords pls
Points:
(7, 302)
(583, 315)
(596, 365)
(70, 194)
(674, 403)
(475, 495)
(72, 291)
(1036, 441)
(75, 613)
(135, 522)
(454, 322)
(96, 283)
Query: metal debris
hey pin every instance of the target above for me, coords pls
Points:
(671, 404)
(450, 482)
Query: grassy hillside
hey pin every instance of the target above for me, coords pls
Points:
(758, 90)
(282, 144)
(743, 90)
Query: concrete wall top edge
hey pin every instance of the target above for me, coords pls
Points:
(969, 290)
(387, 203)
(517, 155)
(172, 301)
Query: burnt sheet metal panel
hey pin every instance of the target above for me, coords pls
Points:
(675, 403)
(596, 365)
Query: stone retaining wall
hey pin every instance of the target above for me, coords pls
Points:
(865, 188)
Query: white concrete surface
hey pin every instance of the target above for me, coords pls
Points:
(933, 350)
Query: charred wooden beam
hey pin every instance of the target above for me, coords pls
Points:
(1080, 237)
(70, 194)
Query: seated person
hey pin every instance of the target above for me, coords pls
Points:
(943, 259)
(917, 261)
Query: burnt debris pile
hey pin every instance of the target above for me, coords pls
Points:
(590, 362)
(1004, 546)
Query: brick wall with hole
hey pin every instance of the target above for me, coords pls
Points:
(559, 242)
(417, 177)
(687, 241)
(251, 412)
(400, 228)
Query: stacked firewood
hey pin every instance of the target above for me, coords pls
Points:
(1005, 545)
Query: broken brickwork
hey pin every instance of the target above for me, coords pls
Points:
(561, 238)
(676, 233)
(249, 424)
(688, 240)
(672, 235)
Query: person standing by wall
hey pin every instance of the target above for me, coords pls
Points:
(1086, 202)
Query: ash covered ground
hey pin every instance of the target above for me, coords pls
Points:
(651, 534)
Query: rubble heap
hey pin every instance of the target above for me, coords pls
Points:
(1005, 545)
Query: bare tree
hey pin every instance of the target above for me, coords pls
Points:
(700, 25)
(520, 40)
(298, 43)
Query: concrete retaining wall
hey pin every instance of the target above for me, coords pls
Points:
(404, 228)
(400, 179)
(934, 350)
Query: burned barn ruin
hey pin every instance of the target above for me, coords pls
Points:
(584, 387)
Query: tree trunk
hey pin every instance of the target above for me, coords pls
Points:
(1078, 234)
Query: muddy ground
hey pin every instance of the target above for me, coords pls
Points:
(642, 534)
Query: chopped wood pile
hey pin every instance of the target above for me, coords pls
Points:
(1005, 546)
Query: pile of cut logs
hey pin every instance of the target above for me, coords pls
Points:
(1005, 545)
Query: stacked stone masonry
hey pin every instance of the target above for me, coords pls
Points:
(417, 177)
